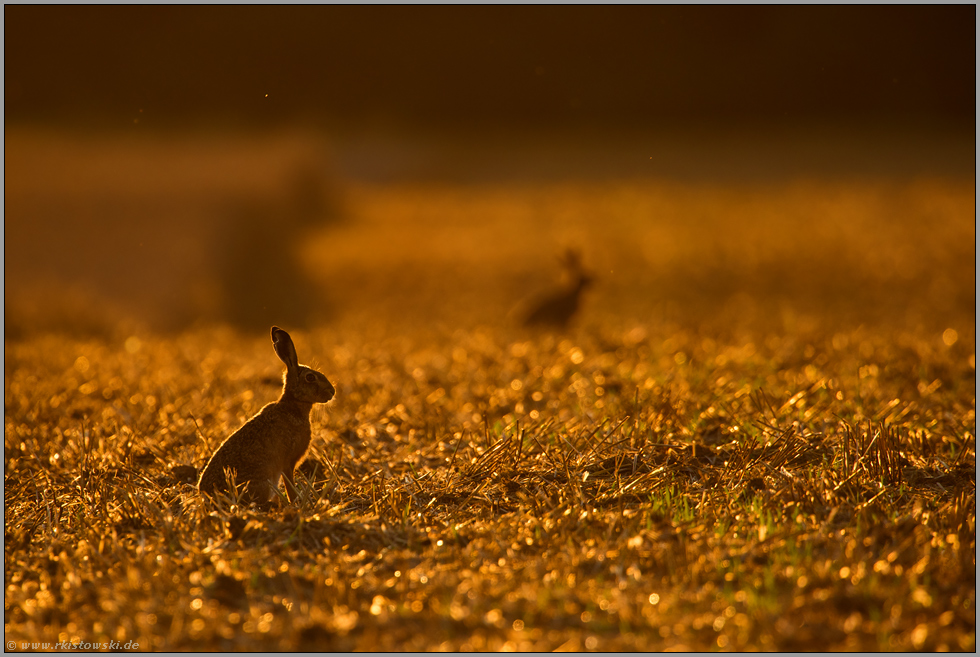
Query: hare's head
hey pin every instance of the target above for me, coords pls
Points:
(300, 382)
(575, 272)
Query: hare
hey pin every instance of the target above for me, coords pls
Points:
(557, 309)
(272, 441)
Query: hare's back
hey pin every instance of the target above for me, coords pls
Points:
(258, 437)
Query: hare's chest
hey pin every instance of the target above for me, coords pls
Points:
(297, 440)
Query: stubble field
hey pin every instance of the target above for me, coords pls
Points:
(758, 433)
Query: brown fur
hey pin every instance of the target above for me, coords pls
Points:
(270, 444)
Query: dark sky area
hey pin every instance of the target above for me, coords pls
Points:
(623, 66)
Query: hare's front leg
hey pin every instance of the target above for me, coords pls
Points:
(288, 473)
(292, 493)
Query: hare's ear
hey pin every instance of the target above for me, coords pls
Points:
(283, 345)
(571, 259)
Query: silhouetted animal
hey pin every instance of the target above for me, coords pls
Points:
(557, 309)
(270, 444)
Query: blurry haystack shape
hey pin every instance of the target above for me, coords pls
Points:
(557, 308)
(259, 274)
(105, 233)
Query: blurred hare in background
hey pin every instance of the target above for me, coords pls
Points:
(557, 308)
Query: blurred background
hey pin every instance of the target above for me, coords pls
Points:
(173, 165)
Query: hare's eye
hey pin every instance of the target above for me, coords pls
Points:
(311, 377)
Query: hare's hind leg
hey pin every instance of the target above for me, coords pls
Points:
(260, 491)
